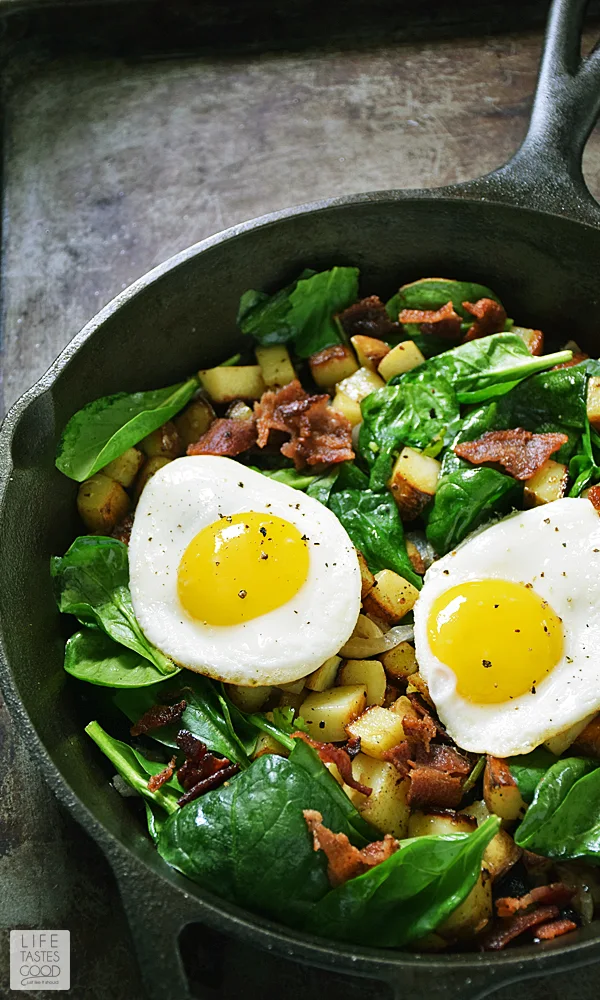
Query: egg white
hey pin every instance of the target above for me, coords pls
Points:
(278, 647)
(555, 548)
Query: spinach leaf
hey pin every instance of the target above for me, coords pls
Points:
(528, 769)
(136, 770)
(92, 582)
(563, 820)
(464, 500)
(433, 293)
(289, 477)
(408, 895)
(553, 401)
(321, 488)
(92, 656)
(303, 312)
(104, 429)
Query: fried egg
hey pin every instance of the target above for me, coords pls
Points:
(240, 577)
(507, 629)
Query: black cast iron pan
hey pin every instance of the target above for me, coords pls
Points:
(531, 230)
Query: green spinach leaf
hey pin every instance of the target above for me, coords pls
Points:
(433, 293)
(92, 656)
(289, 477)
(136, 770)
(464, 500)
(528, 769)
(563, 820)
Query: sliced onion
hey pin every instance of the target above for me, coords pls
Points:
(357, 648)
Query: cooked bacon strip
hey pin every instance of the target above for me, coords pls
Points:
(444, 322)
(575, 360)
(340, 756)
(157, 716)
(518, 451)
(317, 433)
(157, 780)
(547, 932)
(447, 759)
(423, 712)
(199, 762)
(344, 861)
(225, 437)
(430, 787)
(207, 784)
(501, 936)
(490, 317)
(368, 318)
(557, 894)
(420, 730)
(593, 496)
(122, 531)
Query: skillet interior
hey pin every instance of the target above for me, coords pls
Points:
(543, 267)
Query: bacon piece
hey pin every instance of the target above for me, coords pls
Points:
(340, 756)
(501, 936)
(490, 317)
(157, 780)
(317, 433)
(207, 784)
(575, 360)
(368, 318)
(225, 437)
(447, 759)
(157, 716)
(201, 770)
(344, 861)
(430, 787)
(556, 894)
(420, 730)
(593, 496)
(518, 451)
(122, 531)
(444, 322)
(547, 932)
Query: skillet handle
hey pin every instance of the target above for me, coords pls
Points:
(545, 173)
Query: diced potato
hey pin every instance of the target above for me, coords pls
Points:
(403, 707)
(370, 673)
(327, 713)
(125, 468)
(294, 687)
(439, 824)
(413, 482)
(101, 503)
(562, 741)
(324, 676)
(416, 559)
(500, 790)
(275, 364)
(400, 662)
(478, 810)
(361, 384)
(593, 401)
(533, 339)
(150, 466)
(248, 699)
(290, 700)
(239, 411)
(268, 744)
(402, 358)
(229, 382)
(379, 730)
(194, 421)
(332, 364)
(164, 442)
(473, 914)
(549, 483)
(367, 580)
(391, 598)
(386, 807)
(418, 685)
(369, 350)
(349, 408)
(587, 743)
(501, 854)
(366, 629)
(392, 694)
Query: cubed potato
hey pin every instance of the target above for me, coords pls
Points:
(402, 358)
(549, 483)
(248, 699)
(413, 482)
(275, 364)
(500, 790)
(416, 559)
(367, 580)
(473, 914)
(593, 401)
(391, 598)
(533, 339)
(229, 382)
(369, 350)
(361, 384)
(369, 673)
(194, 421)
(587, 743)
(400, 662)
(239, 411)
(418, 685)
(366, 629)
(403, 707)
(478, 810)
(101, 503)
(268, 744)
(150, 466)
(125, 468)
(332, 365)
(392, 693)
(348, 408)
(324, 676)
(379, 730)
(501, 854)
(440, 824)
(562, 741)
(164, 442)
(294, 687)
(327, 713)
(290, 700)
(386, 807)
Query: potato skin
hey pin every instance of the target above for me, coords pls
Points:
(164, 442)
(500, 790)
(101, 503)
(332, 364)
(194, 421)
(125, 468)
(150, 466)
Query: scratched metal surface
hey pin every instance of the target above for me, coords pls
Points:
(112, 164)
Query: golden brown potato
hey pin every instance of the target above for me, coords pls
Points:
(386, 807)
(194, 421)
(367, 580)
(101, 503)
(164, 442)
(400, 662)
(370, 674)
(332, 364)
(500, 790)
(562, 741)
(413, 482)
(473, 914)
(125, 468)
(402, 358)
(391, 598)
(290, 700)
(440, 824)
(369, 350)
(549, 483)
(294, 687)
(593, 402)
(501, 854)
(418, 685)
(361, 384)
(150, 466)
(403, 707)
(268, 744)
(533, 339)
(587, 743)
(379, 730)
(230, 382)
(324, 676)
(327, 713)
(275, 364)
(239, 411)
(416, 559)
(248, 699)
(349, 408)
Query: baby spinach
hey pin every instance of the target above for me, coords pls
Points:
(136, 770)
(563, 820)
(433, 293)
(528, 769)
(92, 582)
(289, 477)
(464, 500)
(321, 488)
(92, 656)
(266, 317)
(104, 429)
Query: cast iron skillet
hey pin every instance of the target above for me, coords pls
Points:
(531, 230)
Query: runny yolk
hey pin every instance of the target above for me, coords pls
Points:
(240, 567)
(499, 638)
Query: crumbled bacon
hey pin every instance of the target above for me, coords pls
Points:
(340, 756)
(201, 770)
(547, 932)
(157, 780)
(444, 322)
(207, 784)
(556, 894)
(575, 360)
(490, 317)
(518, 451)
(512, 928)
(122, 531)
(420, 730)
(430, 787)
(317, 433)
(225, 436)
(344, 861)
(593, 495)
(157, 716)
(368, 318)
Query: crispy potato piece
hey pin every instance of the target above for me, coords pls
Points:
(391, 598)
(593, 402)
(230, 382)
(150, 466)
(275, 364)
(370, 674)
(415, 557)
(369, 350)
(290, 700)
(294, 687)
(549, 483)
(164, 442)
(248, 699)
(102, 503)
(478, 810)
(332, 364)
(194, 421)
(473, 914)
(418, 685)
(386, 807)
(403, 707)
(361, 384)
(413, 482)
(400, 662)
(349, 408)
(379, 730)
(500, 790)
(125, 468)
(439, 824)
(562, 741)
(587, 743)
(239, 411)
(324, 676)
(533, 339)
(327, 713)
(367, 580)
(501, 854)
(400, 359)
(268, 744)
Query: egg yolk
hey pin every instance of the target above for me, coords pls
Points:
(240, 567)
(499, 638)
